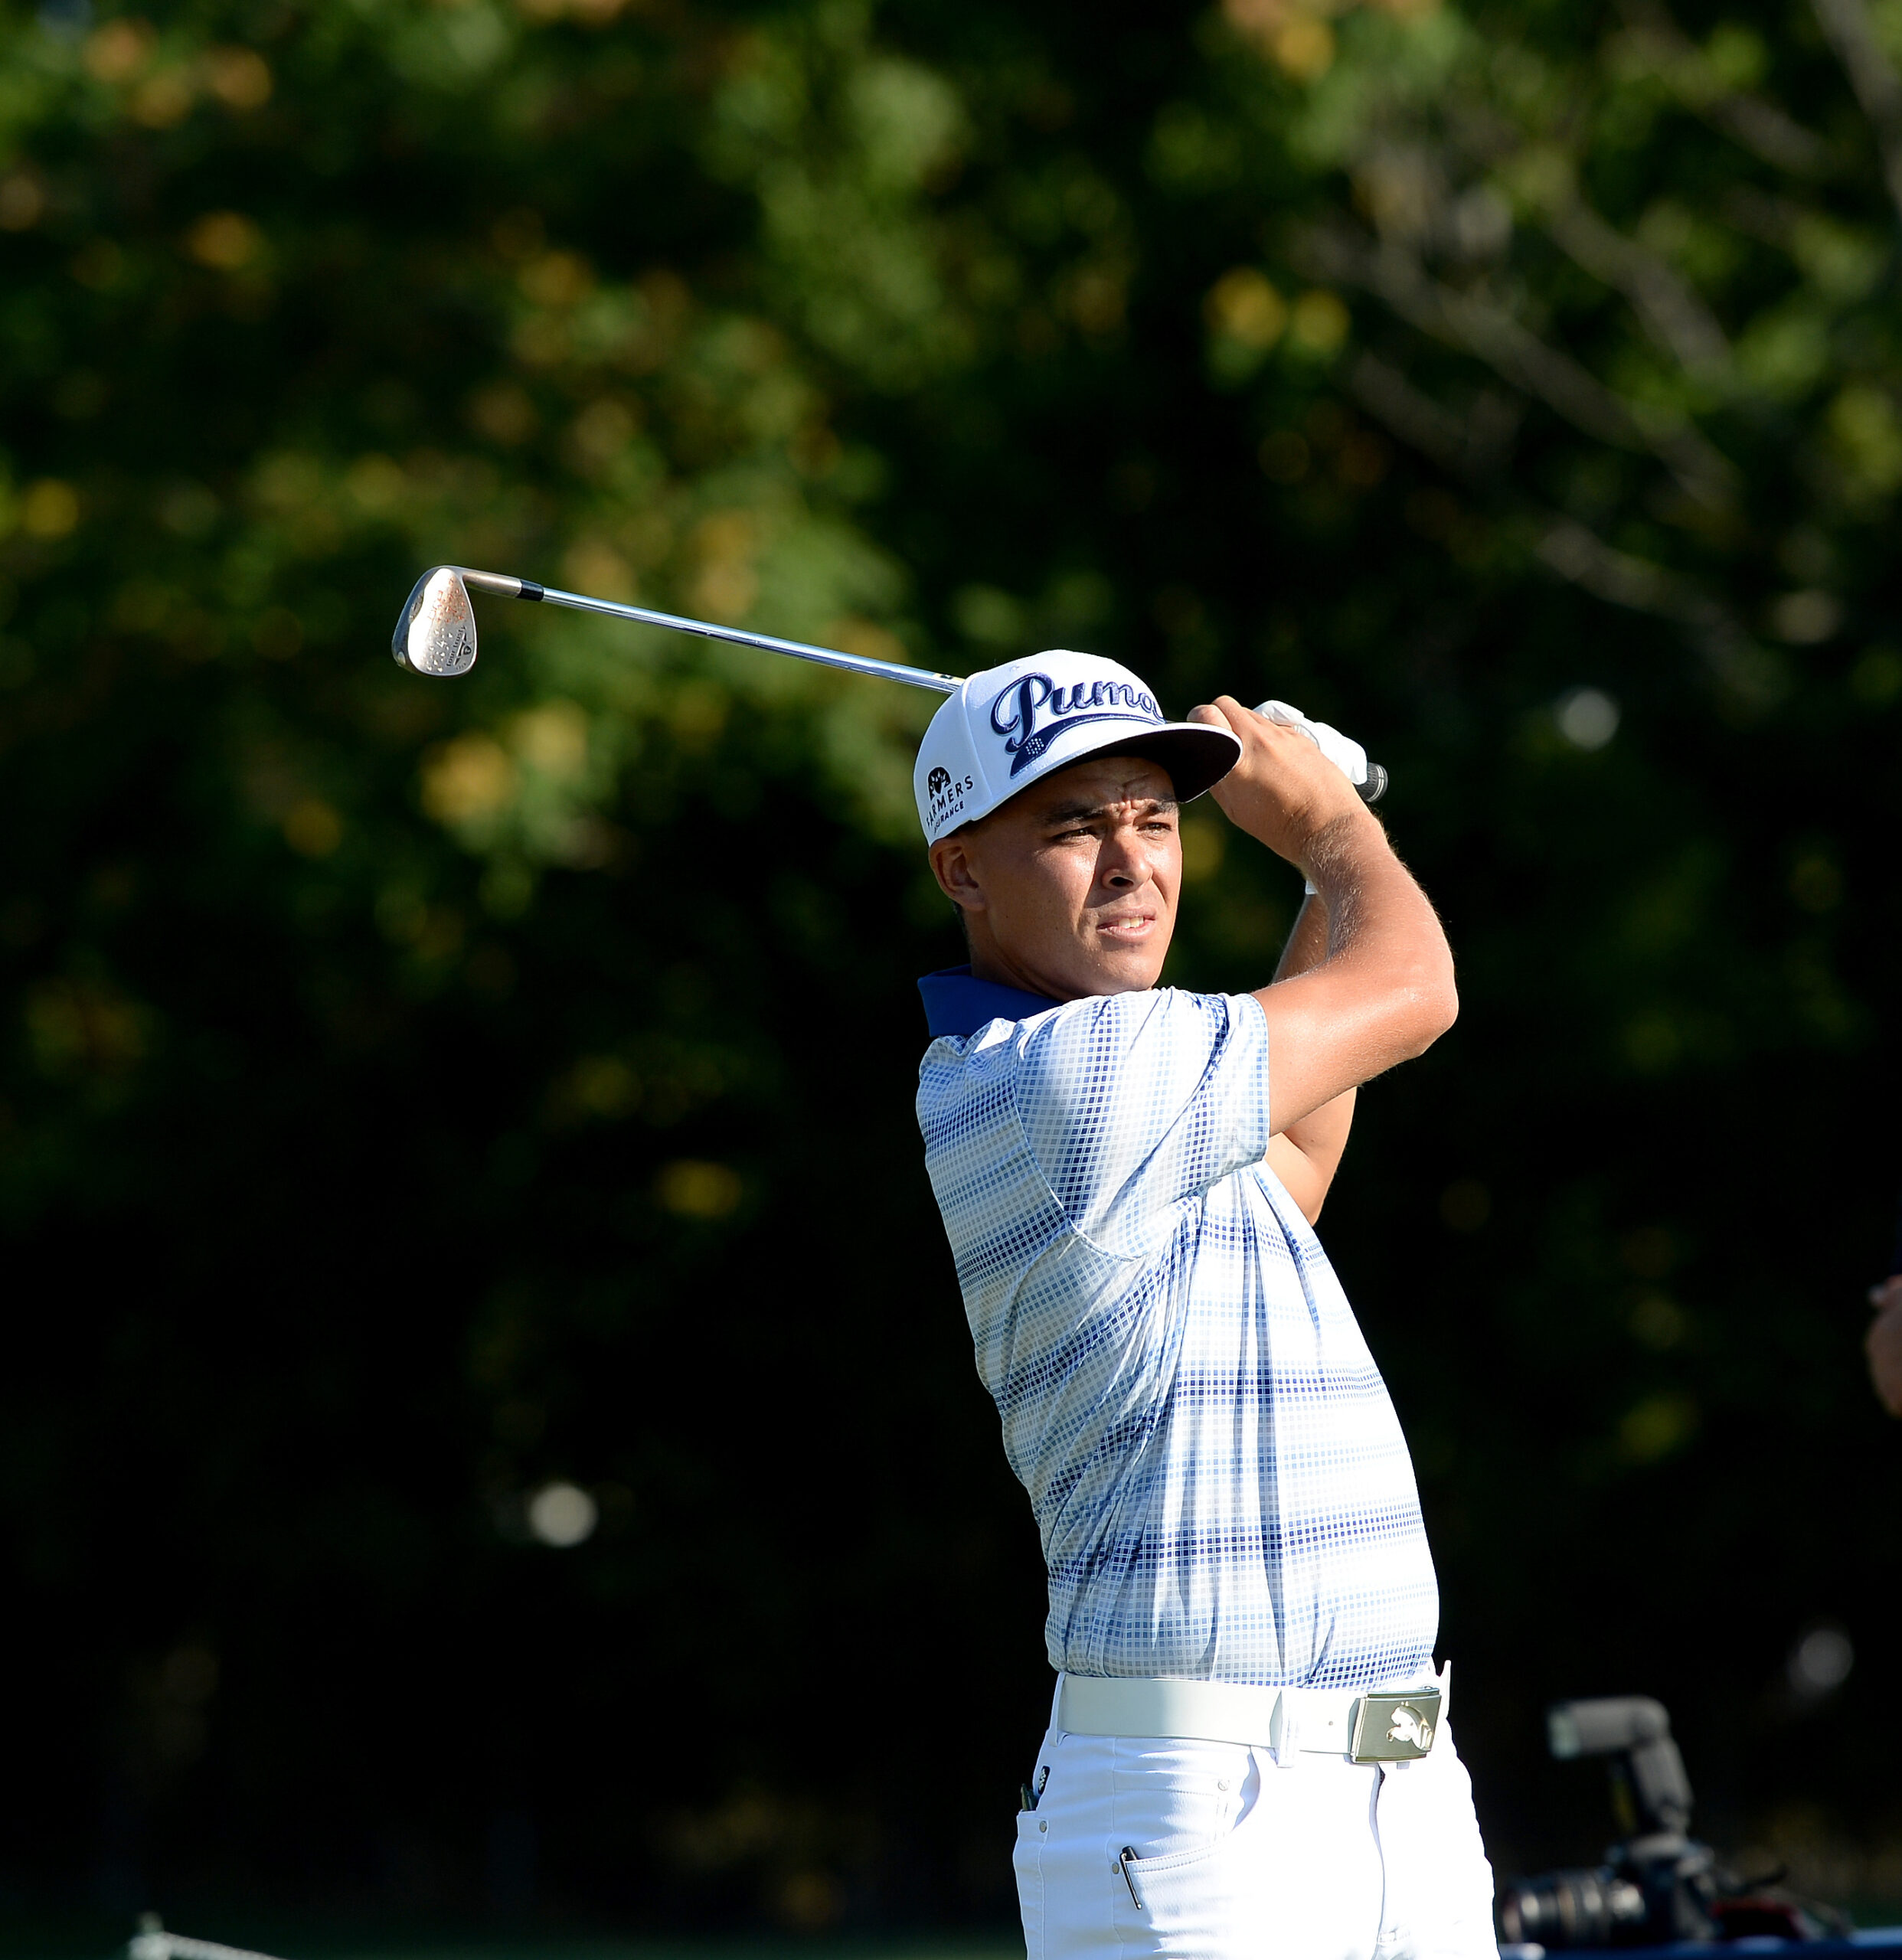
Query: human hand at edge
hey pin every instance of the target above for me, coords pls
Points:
(1283, 791)
(1884, 1342)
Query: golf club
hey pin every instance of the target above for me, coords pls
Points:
(436, 632)
(436, 635)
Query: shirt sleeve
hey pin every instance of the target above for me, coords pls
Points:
(1132, 1102)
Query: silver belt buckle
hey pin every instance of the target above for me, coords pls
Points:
(1395, 1728)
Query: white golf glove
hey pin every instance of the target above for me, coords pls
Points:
(1346, 755)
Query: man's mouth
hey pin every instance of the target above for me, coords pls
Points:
(1126, 925)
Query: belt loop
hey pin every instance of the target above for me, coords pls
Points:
(1057, 1703)
(1284, 1731)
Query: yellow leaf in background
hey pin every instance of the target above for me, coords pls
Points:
(600, 433)
(77, 1024)
(378, 485)
(312, 828)
(691, 1189)
(1203, 846)
(558, 278)
(552, 738)
(238, 77)
(50, 509)
(1868, 438)
(1319, 321)
(725, 584)
(162, 99)
(469, 777)
(699, 713)
(1303, 47)
(591, 565)
(866, 638)
(503, 412)
(1244, 304)
(1096, 298)
(1659, 1426)
(1259, 20)
(227, 241)
(117, 51)
(605, 1085)
(22, 201)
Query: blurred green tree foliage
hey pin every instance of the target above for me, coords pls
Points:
(415, 1094)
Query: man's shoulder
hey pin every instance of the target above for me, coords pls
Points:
(1160, 1011)
(1072, 1046)
(1004, 1034)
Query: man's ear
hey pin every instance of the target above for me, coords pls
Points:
(957, 875)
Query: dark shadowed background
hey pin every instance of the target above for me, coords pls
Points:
(490, 1435)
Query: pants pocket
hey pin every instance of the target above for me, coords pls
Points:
(1026, 1859)
(1191, 1906)
(1300, 1875)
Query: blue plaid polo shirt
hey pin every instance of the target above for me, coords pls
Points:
(1216, 1471)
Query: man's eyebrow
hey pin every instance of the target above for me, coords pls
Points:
(1077, 812)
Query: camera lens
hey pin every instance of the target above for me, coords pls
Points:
(1571, 1909)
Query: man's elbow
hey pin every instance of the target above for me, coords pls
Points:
(1433, 1007)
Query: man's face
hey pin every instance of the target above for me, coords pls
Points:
(1070, 888)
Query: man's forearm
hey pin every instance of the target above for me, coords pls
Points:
(1384, 992)
(1380, 923)
(1306, 1154)
(1307, 945)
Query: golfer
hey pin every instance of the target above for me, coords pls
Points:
(1248, 1752)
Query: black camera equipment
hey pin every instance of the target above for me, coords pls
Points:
(1659, 1884)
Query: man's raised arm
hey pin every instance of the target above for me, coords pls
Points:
(1306, 1154)
(1384, 993)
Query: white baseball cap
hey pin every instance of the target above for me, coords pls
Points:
(1010, 725)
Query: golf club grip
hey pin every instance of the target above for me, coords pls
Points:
(1374, 787)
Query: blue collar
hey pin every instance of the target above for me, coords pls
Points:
(955, 1002)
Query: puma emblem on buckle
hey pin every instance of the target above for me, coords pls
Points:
(1395, 1728)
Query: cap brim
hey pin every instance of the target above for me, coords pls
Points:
(1196, 755)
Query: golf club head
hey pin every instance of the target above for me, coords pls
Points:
(436, 631)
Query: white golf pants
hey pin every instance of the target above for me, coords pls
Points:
(1230, 1853)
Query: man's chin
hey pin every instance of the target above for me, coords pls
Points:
(1117, 969)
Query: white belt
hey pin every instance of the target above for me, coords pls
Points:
(1383, 1725)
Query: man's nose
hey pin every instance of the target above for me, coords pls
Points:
(1124, 859)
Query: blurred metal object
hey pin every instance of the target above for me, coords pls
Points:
(435, 632)
(152, 1943)
(1658, 1886)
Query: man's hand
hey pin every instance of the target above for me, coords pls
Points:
(1884, 1343)
(1283, 791)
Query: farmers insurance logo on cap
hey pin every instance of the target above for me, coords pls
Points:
(1009, 726)
(944, 798)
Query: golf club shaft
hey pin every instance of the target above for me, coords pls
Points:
(505, 586)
